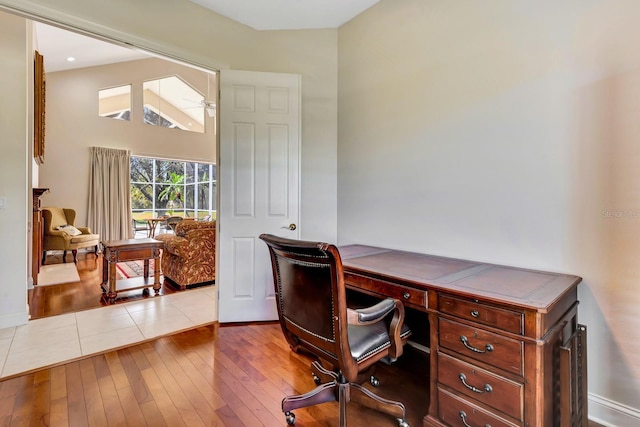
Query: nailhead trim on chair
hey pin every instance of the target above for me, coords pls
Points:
(310, 332)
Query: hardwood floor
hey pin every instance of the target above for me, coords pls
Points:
(52, 300)
(231, 376)
(213, 375)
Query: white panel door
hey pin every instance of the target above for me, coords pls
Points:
(259, 173)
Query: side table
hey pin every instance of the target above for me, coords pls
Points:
(115, 251)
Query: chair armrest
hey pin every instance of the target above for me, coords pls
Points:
(59, 233)
(84, 230)
(178, 246)
(369, 315)
(395, 330)
(377, 312)
(187, 241)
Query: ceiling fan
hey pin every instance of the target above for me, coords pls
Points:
(208, 105)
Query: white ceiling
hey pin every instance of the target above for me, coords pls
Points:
(57, 45)
(288, 14)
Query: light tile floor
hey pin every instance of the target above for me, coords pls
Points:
(51, 340)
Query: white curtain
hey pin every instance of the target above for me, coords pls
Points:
(109, 194)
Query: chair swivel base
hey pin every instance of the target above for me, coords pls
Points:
(342, 391)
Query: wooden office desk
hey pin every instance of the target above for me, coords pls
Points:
(505, 345)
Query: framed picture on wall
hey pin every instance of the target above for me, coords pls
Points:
(39, 89)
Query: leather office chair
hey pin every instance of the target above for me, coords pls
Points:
(313, 313)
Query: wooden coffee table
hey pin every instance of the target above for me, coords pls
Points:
(115, 251)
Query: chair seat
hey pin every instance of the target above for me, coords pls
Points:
(82, 238)
(367, 340)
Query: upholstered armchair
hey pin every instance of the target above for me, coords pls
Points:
(189, 254)
(60, 233)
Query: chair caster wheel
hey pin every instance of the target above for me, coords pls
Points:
(402, 423)
(291, 418)
(316, 379)
(374, 381)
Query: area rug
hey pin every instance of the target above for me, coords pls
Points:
(129, 269)
(56, 274)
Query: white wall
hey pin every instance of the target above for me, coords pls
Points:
(505, 132)
(15, 169)
(73, 125)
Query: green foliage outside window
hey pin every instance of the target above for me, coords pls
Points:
(169, 187)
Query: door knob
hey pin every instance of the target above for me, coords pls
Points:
(290, 227)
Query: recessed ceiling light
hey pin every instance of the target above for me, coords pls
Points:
(71, 59)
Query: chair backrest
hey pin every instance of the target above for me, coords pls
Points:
(311, 298)
(172, 221)
(54, 217)
(183, 228)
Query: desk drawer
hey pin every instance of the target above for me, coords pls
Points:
(455, 411)
(498, 317)
(498, 392)
(405, 294)
(502, 352)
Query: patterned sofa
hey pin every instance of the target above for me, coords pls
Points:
(189, 254)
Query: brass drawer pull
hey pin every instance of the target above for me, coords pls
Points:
(486, 389)
(406, 295)
(465, 341)
(475, 313)
(463, 416)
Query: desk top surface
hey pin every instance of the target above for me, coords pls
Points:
(535, 289)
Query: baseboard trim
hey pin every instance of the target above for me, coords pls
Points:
(612, 414)
(14, 319)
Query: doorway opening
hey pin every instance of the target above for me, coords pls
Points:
(152, 94)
